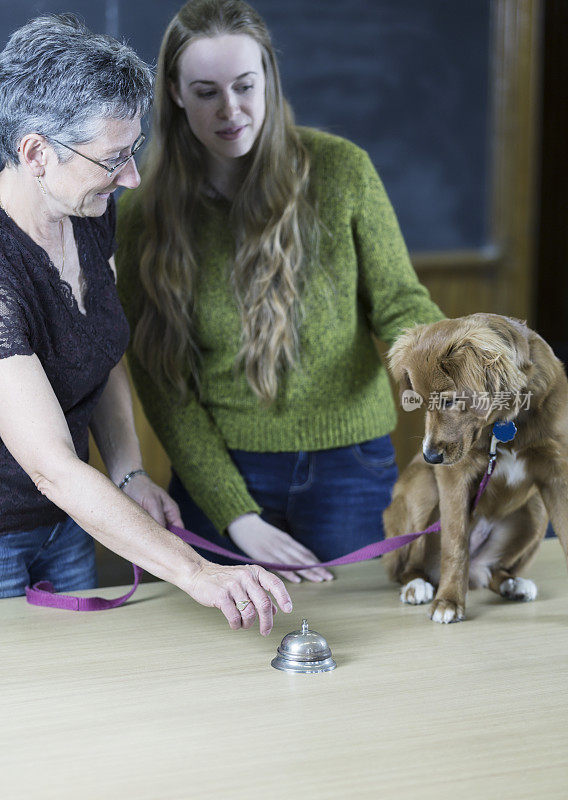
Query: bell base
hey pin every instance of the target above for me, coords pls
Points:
(288, 665)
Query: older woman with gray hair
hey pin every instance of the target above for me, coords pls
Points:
(70, 109)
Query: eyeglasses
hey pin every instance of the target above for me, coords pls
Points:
(110, 169)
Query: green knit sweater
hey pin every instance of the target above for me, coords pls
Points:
(339, 393)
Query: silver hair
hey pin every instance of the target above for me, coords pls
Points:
(59, 79)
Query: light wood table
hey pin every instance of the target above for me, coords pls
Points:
(159, 700)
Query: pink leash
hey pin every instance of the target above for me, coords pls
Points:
(43, 594)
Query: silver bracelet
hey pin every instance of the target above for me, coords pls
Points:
(129, 475)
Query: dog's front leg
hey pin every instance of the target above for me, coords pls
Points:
(449, 603)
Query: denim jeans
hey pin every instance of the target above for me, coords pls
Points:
(62, 553)
(329, 500)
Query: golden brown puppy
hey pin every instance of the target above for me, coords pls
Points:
(473, 372)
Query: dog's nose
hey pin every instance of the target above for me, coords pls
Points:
(432, 457)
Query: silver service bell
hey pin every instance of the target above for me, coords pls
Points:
(304, 651)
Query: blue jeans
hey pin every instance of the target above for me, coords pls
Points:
(62, 553)
(331, 501)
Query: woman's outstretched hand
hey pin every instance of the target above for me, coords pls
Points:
(263, 542)
(240, 593)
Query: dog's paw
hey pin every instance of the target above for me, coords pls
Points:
(446, 611)
(518, 589)
(417, 592)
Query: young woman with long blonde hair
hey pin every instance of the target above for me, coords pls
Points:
(256, 262)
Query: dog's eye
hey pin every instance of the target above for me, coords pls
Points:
(455, 403)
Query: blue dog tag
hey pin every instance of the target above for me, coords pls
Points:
(504, 431)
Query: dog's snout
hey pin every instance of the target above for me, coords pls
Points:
(432, 456)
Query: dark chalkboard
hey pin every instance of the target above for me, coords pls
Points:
(408, 80)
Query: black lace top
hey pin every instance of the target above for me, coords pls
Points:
(39, 314)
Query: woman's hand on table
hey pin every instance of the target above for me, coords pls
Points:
(154, 500)
(214, 585)
(231, 588)
(264, 542)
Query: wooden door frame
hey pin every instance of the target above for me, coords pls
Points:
(514, 130)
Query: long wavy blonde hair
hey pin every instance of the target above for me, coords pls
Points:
(274, 222)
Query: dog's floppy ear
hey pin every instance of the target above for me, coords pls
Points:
(515, 337)
(398, 360)
(399, 356)
(488, 361)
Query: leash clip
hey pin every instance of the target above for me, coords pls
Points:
(501, 432)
